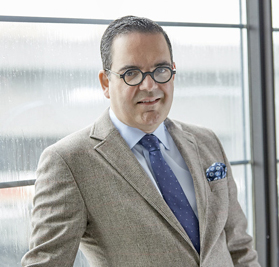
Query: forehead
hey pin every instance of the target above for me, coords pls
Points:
(140, 49)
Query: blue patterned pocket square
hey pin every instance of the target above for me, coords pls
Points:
(216, 171)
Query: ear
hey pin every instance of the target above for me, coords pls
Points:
(104, 81)
(174, 67)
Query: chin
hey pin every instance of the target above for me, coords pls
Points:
(151, 126)
(153, 122)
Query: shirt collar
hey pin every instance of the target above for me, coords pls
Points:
(133, 135)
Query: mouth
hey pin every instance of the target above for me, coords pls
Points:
(149, 102)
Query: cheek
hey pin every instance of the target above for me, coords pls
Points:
(168, 91)
(127, 95)
(122, 96)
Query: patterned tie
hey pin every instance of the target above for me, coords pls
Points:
(171, 190)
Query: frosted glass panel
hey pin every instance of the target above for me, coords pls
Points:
(210, 87)
(275, 13)
(15, 211)
(217, 11)
(15, 226)
(49, 87)
(50, 72)
(243, 178)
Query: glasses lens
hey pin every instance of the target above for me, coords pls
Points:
(133, 77)
(162, 74)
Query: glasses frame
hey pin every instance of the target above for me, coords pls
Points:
(144, 74)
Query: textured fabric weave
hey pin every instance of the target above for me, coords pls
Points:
(171, 189)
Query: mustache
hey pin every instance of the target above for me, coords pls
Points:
(150, 94)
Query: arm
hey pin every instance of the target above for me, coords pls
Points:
(59, 214)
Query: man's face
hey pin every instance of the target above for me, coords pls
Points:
(144, 106)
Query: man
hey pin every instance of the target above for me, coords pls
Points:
(136, 188)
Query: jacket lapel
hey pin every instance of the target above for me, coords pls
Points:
(209, 212)
(188, 148)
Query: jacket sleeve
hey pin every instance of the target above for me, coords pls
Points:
(239, 243)
(58, 216)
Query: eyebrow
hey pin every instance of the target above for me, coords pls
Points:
(163, 63)
(126, 67)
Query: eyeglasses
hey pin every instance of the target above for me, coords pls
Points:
(134, 77)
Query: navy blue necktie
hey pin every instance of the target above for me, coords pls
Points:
(171, 190)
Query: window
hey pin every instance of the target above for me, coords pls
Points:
(49, 88)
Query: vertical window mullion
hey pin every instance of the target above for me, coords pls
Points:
(260, 58)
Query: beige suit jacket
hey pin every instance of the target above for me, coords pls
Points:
(92, 192)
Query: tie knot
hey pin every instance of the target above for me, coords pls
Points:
(150, 142)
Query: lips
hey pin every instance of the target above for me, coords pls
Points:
(149, 101)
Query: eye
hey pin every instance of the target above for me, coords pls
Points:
(131, 73)
(161, 70)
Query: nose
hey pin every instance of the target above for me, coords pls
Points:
(148, 83)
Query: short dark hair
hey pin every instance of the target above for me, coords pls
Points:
(125, 25)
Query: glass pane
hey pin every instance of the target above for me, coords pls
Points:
(15, 227)
(49, 87)
(243, 178)
(214, 11)
(275, 17)
(210, 87)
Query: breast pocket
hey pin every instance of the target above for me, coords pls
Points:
(220, 184)
(219, 199)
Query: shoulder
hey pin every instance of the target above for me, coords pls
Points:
(86, 138)
(72, 144)
(205, 139)
(200, 133)
(75, 138)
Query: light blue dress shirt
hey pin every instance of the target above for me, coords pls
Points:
(169, 151)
